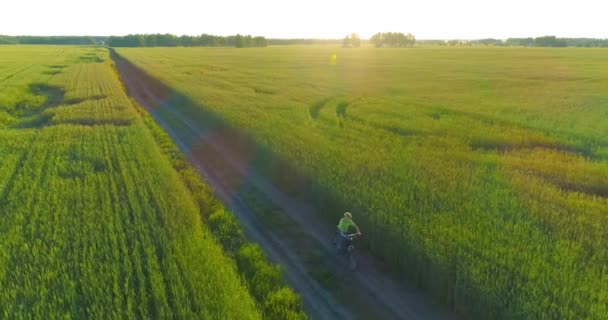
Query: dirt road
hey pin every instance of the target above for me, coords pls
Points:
(363, 294)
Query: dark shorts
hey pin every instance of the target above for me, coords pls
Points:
(342, 239)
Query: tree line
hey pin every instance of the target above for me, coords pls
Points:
(545, 41)
(388, 39)
(74, 40)
(351, 41)
(170, 40)
(302, 41)
(392, 39)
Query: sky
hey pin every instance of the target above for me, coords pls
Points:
(428, 19)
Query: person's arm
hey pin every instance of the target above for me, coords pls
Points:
(357, 227)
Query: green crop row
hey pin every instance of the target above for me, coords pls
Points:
(95, 221)
(479, 173)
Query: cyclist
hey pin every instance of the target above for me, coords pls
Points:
(344, 226)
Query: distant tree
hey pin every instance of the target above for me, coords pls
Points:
(347, 43)
(549, 41)
(260, 41)
(304, 41)
(393, 39)
(431, 42)
(140, 40)
(390, 39)
(396, 39)
(73, 40)
(238, 41)
(151, 40)
(586, 42)
(248, 41)
(410, 40)
(207, 40)
(186, 41)
(220, 41)
(8, 40)
(526, 42)
(167, 40)
(377, 40)
(135, 40)
(488, 42)
(545, 41)
(355, 40)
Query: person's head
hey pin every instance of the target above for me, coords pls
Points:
(347, 215)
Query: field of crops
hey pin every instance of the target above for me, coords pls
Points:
(95, 222)
(482, 173)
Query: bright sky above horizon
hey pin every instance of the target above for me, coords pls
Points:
(428, 19)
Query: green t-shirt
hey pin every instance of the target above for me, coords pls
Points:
(345, 224)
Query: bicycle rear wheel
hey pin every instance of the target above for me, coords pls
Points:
(352, 261)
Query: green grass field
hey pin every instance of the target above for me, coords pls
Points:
(482, 173)
(96, 220)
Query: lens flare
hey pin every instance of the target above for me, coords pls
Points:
(334, 59)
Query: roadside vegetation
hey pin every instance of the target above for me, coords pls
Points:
(264, 280)
(100, 218)
(479, 173)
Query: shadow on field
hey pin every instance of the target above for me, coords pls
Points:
(55, 69)
(32, 112)
(77, 165)
(289, 179)
(339, 103)
(316, 107)
(52, 72)
(90, 58)
(54, 95)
